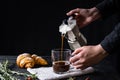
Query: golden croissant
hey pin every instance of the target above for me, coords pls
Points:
(27, 60)
(39, 60)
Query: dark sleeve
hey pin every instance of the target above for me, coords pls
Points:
(106, 7)
(112, 41)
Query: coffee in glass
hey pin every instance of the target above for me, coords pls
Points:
(60, 60)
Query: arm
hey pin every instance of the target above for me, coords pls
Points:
(112, 41)
(107, 7)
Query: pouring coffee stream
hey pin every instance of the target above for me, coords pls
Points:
(62, 39)
(62, 45)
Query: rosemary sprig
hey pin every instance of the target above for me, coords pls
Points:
(4, 72)
(7, 74)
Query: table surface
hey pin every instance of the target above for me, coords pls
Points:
(103, 71)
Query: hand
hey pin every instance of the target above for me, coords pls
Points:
(84, 16)
(87, 56)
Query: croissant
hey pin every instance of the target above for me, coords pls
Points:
(22, 56)
(24, 61)
(27, 60)
(39, 60)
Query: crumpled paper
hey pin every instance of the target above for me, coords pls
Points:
(46, 73)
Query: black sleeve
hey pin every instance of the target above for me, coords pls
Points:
(112, 41)
(106, 7)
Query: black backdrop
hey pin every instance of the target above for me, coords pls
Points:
(32, 26)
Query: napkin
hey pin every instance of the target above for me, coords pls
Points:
(46, 73)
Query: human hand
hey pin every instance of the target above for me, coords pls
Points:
(87, 56)
(84, 16)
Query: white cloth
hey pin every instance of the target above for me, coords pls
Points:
(46, 73)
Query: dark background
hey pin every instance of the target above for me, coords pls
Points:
(33, 26)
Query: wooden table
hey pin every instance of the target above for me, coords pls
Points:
(103, 71)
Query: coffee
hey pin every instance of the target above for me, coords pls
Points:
(61, 66)
(62, 44)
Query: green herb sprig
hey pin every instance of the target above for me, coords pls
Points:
(7, 74)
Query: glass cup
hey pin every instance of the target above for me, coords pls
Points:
(60, 60)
